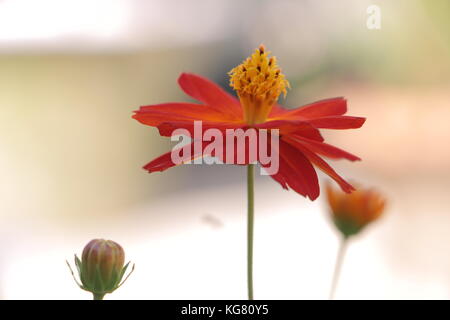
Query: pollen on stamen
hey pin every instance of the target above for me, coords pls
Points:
(259, 76)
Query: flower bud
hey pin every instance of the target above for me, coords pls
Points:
(351, 212)
(101, 268)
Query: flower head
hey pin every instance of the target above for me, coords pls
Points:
(352, 212)
(101, 267)
(258, 82)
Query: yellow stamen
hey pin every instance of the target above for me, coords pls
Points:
(259, 82)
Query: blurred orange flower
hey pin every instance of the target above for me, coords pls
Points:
(351, 212)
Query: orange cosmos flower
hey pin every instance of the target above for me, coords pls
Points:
(258, 82)
(352, 212)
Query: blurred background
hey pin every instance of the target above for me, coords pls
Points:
(72, 72)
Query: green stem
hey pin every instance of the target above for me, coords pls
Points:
(338, 266)
(250, 225)
(98, 296)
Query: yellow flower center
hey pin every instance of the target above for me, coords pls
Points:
(258, 82)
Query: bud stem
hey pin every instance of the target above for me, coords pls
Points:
(98, 296)
(337, 268)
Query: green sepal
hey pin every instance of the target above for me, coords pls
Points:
(122, 273)
(78, 265)
(83, 274)
(73, 276)
(98, 285)
(347, 227)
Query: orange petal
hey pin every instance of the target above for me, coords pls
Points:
(319, 109)
(338, 122)
(334, 198)
(211, 94)
(277, 111)
(296, 172)
(164, 161)
(298, 127)
(166, 129)
(154, 115)
(322, 165)
(325, 149)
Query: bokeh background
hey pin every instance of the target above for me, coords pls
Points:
(72, 72)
